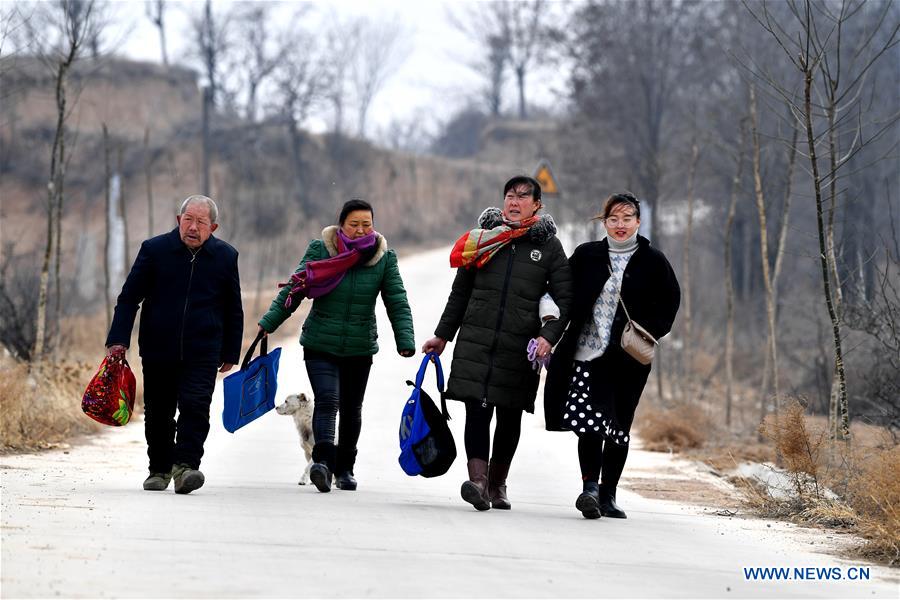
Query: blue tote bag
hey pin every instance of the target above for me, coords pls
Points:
(250, 393)
(426, 442)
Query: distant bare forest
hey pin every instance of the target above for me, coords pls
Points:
(762, 137)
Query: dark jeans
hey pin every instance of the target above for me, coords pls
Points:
(187, 387)
(623, 380)
(339, 384)
(478, 432)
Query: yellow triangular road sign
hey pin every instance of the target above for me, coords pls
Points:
(545, 177)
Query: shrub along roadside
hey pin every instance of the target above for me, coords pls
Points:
(42, 409)
(852, 487)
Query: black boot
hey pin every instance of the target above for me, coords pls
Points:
(323, 456)
(588, 501)
(343, 470)
(608, 506)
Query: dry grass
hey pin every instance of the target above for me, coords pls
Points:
(854, 487)
(799, 449)
(42, 409)
(672, 430)
(875, 496)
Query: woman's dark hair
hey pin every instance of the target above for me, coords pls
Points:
(531, 182)
(620, 198)
(354, 204)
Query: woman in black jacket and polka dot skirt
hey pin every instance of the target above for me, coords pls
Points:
(593, 387)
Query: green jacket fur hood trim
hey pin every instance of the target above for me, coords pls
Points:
(343, 321)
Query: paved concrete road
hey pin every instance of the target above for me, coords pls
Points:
(77, 524)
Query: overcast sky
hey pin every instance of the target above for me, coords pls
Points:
(431, 83)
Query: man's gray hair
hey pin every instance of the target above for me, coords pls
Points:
(200, 199)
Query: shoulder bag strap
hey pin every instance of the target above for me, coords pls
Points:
(619, 295)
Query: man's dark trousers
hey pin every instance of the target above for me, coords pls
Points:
(187, 386)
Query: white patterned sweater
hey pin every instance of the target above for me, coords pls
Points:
(594, 337)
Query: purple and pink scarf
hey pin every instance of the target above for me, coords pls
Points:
(319, 277)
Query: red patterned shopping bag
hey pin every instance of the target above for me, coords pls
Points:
(109, 397)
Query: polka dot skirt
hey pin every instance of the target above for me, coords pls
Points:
(583, 417)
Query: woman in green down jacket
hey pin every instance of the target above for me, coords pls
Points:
(505, 267)
(343, 272)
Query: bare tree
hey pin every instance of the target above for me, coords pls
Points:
(378, 57)
(75, 24)
(523, 32)
(256, 50)
(301, 79)
(813, 43)
(148, 181)
(481, 23)
(342, 46)
(107, 230)
(210, 43)
(675, 40)
(780, 242)
(687, 348)
(156, 12)
(729, 273)
(764, 251)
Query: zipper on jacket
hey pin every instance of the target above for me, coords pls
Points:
(187, 296)
(509, 264)
(347, 312)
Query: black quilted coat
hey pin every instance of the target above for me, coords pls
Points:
(495, 310)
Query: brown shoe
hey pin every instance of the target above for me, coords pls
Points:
(497, 473)
(474, 491)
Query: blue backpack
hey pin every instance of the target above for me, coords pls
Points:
(426, 443)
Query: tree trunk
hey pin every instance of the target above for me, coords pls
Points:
(107, 209)
(265, 253)
(123, 213)
(785, 214)
(162, 34)
(207, 101)
(841, 430)
(338, 102)
(729, 279)
(764, 254)
(520, 80)
(687, 347)
(148, 177)
(838, 425)
(54, 191)
(59, 189)
(251, 101)
(297, 151)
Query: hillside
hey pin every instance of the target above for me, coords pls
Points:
(275, 192)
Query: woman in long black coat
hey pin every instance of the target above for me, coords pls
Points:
(593, 386)
(505, 266)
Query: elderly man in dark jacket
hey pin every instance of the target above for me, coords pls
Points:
(191, 327)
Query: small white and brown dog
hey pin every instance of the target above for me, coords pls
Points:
(301, 408)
